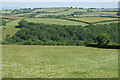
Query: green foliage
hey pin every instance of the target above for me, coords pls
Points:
(23, 23)
(77, 13)
(43, 34)
(102, 39)
(4, 22)
(118, 13)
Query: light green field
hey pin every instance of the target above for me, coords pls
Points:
(100, 13)
(3, 11)
(50, 9)
(93, 19)
(55, 21)
(70, 11)
(17, 15)
(6, 20)
(104, 9)
(10, 28)
(59, 62)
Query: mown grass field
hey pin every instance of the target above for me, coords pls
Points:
(55, 21)
(93, 19)
(59, 62)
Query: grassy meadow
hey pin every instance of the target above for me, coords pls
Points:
(59, 62)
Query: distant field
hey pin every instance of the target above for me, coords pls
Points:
(55, 21)
(17, 15)
(50, 9)
(93, 19)
(100, 13)
(70, 11)
(108, 22)
(10, 28)
(12, 17)
(59, 62)
(3, 11)
(6, 20)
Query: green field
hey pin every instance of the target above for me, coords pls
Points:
(59, 62)
(10, 29)
(70, 11)
(50, 9)
(100, 13)
(55, 21)
(93, 19)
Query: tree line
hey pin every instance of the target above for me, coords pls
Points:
(51, 34)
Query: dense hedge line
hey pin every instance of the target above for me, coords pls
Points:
(44, 34)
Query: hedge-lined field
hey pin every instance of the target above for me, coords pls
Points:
(93, 19)
(55, 21)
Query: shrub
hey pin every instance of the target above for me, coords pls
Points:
(103, 39)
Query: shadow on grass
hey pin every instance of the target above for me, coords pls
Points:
(104, 46)
(17, 26)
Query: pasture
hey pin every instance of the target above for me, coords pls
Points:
(9, 29)
(55, 21)
(50, 9)
(70, 11)
(59, 62)
(93, 19)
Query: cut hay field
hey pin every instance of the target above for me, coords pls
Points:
(55, 21)
(93, 19)
(12, 17)
(58, 62)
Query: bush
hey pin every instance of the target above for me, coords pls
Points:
(103, 39)
(28, 42)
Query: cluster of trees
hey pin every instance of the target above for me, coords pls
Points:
(118, 13)
(51, 12)
(28, 15)
(54, 16)
(21, 11)
(44, 34)
(77, 13)
(4, 22)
